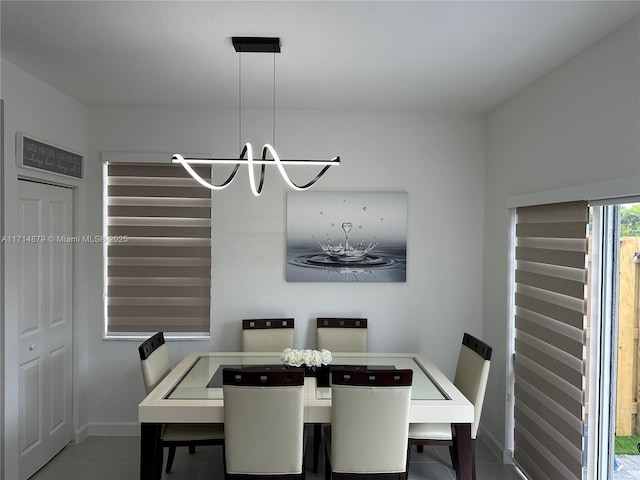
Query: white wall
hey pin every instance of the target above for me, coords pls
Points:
(578, 125)
(437, 159)
(34, 108)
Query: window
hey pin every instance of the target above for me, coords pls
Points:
(616, 301)
(550, 309)
(575, 303)
(158, 254)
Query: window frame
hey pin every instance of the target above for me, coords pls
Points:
(141, 158)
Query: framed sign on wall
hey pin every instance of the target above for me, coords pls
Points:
(38, 155)
(346, 237)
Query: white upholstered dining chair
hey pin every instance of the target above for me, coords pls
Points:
(338, 334)
(154, 359)
(367, 437)
(267, 334)
(342, 334)
(472, 373)
(264, 423)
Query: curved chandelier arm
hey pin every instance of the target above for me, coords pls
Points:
(246, 156)
(312, 182)
(276, 159)
(180, 159)
(248, 150)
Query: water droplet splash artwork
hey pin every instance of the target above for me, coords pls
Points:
(346, 237)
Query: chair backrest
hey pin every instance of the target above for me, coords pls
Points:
(267, 334)
(370, 420)
(154, 359)
(263, 420)
(472, 373)
(342, 334)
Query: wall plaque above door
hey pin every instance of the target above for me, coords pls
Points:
(32, 153)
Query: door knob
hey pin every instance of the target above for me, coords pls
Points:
(32, 346)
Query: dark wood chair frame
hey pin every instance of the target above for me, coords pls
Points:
(145, 350)
(261, 377)
(485, 351)
(263, 323)
(378, 378)
(336, 322)
(150, 345)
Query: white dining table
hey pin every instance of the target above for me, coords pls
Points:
(192, 393)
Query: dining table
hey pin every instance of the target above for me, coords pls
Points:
(192, 393)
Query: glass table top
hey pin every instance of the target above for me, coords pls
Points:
(203, 380)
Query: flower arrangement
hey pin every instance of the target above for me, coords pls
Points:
(308, 358)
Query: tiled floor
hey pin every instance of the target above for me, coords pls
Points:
(116, 458)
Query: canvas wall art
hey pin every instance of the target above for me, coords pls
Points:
(346, 237)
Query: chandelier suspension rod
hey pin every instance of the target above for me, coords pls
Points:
(239, 100)
(274, 101)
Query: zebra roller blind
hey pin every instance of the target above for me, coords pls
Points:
(159, 279)
(550, 308)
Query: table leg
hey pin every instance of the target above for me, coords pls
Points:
(463, 447)
(150, 451)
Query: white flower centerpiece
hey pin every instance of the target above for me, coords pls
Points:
(311, 359)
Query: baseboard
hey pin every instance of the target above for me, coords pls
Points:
(111, 429)
(507, 456)
(500, 450)
(496, 446)
(81, 433)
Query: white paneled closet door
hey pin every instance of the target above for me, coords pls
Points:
(45, 248)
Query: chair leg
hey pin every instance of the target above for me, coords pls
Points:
(420, 448)
(192, 449)
(224, 460)
(317, 434)
(172, 454)
(454, 457)
(327, 465)
(405, 476)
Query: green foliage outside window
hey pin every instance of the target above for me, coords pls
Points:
(630, 220)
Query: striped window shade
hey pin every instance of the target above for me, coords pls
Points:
(550, 309)
(159, 277)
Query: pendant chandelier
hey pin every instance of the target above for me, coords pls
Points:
(269, 155)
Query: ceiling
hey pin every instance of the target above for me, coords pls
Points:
(355, 55)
